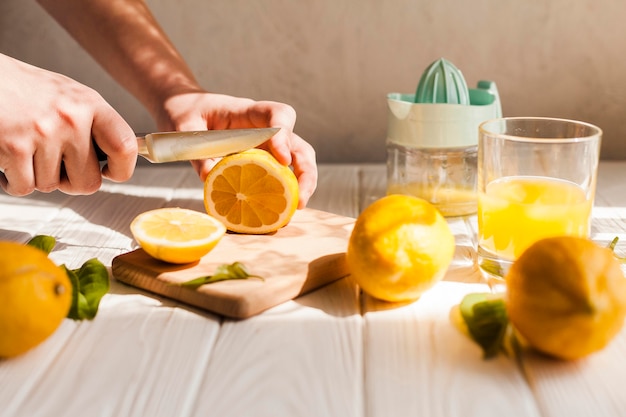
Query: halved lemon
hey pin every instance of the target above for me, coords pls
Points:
(176, 235)
(251, 192)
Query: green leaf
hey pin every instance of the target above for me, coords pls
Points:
(43, 242)
(493, 268)
(73, 313)
(486, 320)
(90, 283)
(223, 272)
(612, 245)
(94, 284)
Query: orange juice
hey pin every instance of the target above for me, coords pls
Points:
(515, 212)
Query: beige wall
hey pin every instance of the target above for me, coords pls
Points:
(335, 60)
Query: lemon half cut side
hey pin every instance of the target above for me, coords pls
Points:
(251, 192)
(177, 235)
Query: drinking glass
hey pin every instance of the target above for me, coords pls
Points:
(536, 179)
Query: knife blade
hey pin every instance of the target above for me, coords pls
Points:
(161, 147)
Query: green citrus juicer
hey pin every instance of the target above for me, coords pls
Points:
(442, 82)
(432, 138)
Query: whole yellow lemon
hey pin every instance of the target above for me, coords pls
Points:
(566, 296)
(400, 247)
(35, 297)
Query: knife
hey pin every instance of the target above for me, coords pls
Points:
(203, 144)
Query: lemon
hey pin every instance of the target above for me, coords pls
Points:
(566, 296)
(251, 192)
(35, 297)
(400, 247)
(176, 235)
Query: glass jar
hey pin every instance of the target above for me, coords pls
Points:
(446, 177)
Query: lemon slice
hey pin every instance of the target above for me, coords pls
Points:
(176, 235)
(250, 192)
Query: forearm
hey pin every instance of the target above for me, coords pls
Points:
(125, 39)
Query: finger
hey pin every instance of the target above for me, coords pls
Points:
(305, 168)
(203, 167)
(117, 140)
(273, 114)
(18, 176)
(3, 180)
(280, 147)
(80, 170)
(47, 168)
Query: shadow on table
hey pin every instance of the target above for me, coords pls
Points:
(120, 288)
(15, 236)
(111, 210)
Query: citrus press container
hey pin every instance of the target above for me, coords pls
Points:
(432, 138)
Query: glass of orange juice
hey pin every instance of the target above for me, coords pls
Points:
(536, 179)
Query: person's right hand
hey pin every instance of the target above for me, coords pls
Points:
(48, 126)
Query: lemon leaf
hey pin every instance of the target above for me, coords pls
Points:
(486, 320)
(89, 284)
(43, 242)
(236, 270)
(612, 245)
(492, 268)
(94, 284)
(73, 313)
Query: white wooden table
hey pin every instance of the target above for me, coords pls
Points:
(332, 352)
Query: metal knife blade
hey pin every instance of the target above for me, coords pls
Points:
(186, 146)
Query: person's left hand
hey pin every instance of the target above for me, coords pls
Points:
(202, 111)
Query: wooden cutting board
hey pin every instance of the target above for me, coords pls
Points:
(307, 253)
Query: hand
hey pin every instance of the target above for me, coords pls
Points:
(48, 122)
(144, 61)
(201, 110)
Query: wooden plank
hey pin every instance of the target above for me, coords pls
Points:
(417, 363)
(609, 211)
(302, 358)
(139, 357)
(593, 386)
(372, 184)
(23, 217)
(337, 190)
(610, 186)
